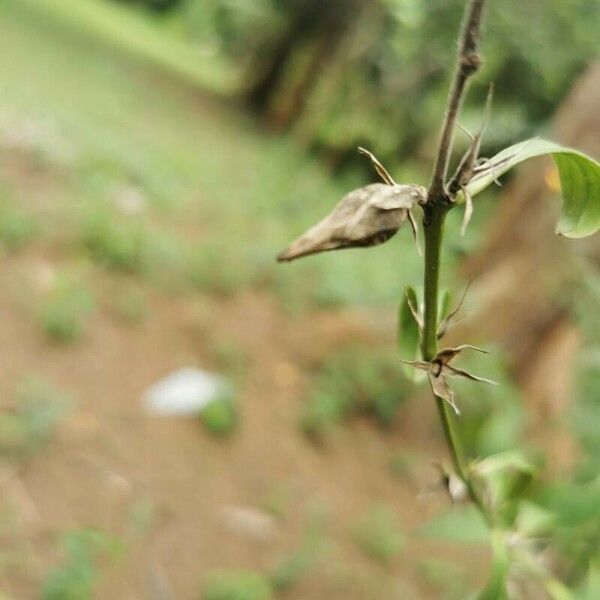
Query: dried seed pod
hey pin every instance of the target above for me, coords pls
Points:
(439, 369)
(446, 355)
(367, 216)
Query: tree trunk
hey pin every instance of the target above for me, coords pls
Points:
(285, 83)
(272, 71)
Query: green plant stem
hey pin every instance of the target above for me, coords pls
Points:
(434, 231)
(468, 63)
(439, 202)
(433, 223)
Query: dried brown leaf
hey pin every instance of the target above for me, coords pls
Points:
(460, 373)
(442, 390)
(417, 315)
(468, 211)
(418, 364)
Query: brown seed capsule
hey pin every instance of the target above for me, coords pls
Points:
(367, 216)
(439, 369)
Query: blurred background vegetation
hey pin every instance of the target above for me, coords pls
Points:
(155, 155)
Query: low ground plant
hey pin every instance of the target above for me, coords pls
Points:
(32, 418)
(351, 384)
(379, 536)
(236, 585)
(17, 227)
(83, 553)
(65, 308)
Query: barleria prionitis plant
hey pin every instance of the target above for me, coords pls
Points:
(373, 214)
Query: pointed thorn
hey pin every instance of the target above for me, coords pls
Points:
(381, 170)
(461, 319)
(469, 347)
(415, 231)
(468, 211)
(466, 375)
(449, 320)
(455, 310)
(413, 309)
(468, 164)
(417, 364)
(466, 131)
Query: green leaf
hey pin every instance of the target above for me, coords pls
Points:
(511, 460)
(574, 505)
(444, 304)
(506, 476)
(533, 520)
(579, 179)
(460, 524)
(557, 590)
(409, 335)
(591, 588)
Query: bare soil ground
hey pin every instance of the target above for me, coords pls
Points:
(110, 460)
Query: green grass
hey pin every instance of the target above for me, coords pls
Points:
(145, 39)
(17, 226)
(355, 382)
(379, 536)
(33, 418)
(290, 570)
(65, 308)
(128, 244)
(236, 585)
(220, 197)
(127, 304)
(76, 577)
(449, 580)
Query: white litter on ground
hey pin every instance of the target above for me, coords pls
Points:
(185, 392)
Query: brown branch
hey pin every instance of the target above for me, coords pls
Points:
(466, 168)
(435, 210)
(468, 63)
